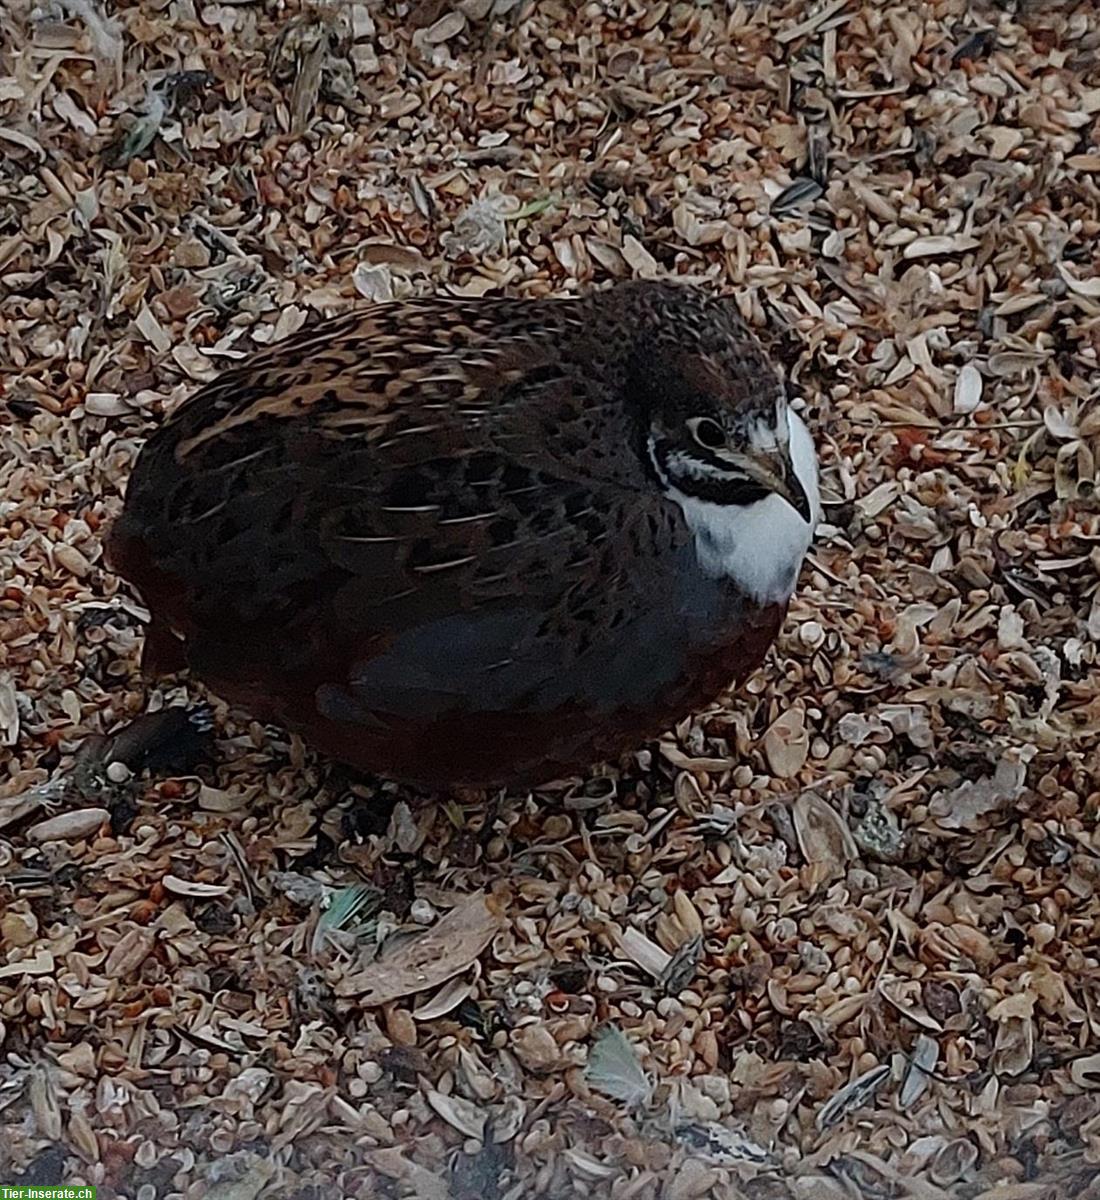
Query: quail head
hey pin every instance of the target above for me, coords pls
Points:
(478, 542)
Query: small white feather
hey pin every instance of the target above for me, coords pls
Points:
(613, 1068)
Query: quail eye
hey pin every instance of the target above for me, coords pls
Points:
(707, 432)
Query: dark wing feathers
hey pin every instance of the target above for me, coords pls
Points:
(357, 478)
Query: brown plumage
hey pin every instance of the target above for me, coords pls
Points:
(452, 542)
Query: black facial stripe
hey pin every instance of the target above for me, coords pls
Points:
(725, 491)
(703, 454)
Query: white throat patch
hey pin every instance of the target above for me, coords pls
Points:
(758, 546)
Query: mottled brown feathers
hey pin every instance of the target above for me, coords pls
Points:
(406, 530)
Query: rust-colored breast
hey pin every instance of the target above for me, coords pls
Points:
(478, 748)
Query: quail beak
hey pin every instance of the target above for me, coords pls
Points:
(773, 470)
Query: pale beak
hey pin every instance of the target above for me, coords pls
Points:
(773, 471)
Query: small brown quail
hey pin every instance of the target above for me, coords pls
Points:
(478, 542)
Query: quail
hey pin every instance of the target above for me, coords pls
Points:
(478, 542)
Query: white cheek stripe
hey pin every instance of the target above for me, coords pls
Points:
(760, 546)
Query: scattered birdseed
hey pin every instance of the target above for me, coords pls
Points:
(868, 881)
